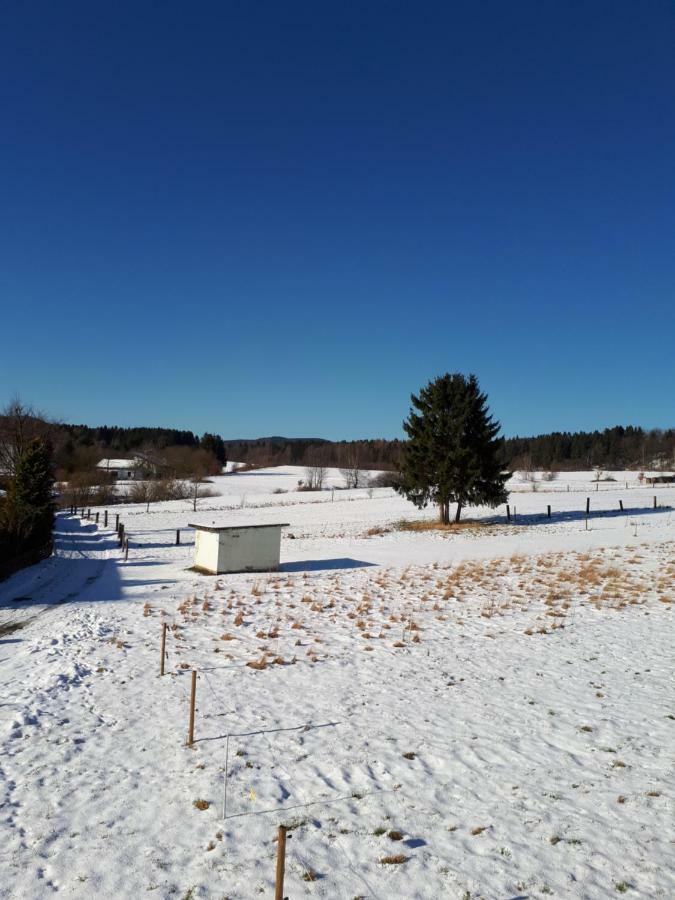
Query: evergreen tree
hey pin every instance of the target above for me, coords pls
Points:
(214, 444)
(29, 505)
(452, 452)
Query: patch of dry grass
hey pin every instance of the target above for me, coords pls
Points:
(428, 525)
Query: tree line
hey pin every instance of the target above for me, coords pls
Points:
(621, 447)
(80, 447)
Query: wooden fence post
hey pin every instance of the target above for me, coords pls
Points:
(508, 513)
(121, 534)
(177, 536)
(105, 519)
(281, 863)
(654, 502)
(548, 510)
(621, 505)
(588, 505)
(193, 697)
(97, 515)
(161, 662)
(117, 522)
(126, 549)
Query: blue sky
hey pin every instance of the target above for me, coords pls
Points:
(282, 218)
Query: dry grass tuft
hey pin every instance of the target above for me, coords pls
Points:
(396, 860)
(201, 804)
(258, 663)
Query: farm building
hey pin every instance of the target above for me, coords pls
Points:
(660, 479)
(137, 467)
(121, 469)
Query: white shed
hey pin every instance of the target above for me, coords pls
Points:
(237, 548)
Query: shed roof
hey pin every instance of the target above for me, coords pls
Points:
(116, 464)
(237, 527)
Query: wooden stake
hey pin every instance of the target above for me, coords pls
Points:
(654, 502)
(621, 505)
(508, 513)
(227, 757)
(281, 863)
(588, 505)
(117, 522)
(177, 536)
(548, 511)
(193, 697)
(105, 519)
(126, 549)
(97, 515)
(161, 662)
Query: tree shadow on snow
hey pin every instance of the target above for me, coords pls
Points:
(322, 565)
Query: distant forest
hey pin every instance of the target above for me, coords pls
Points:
(79, 446)
(613, 448)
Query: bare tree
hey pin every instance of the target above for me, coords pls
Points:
(352, 470)
(314, 477)
(146, 492)
(200, 469)
(19, 425)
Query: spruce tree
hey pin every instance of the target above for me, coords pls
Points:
(30, 505)
(452, 452)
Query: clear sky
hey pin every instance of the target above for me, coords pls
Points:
(282, 218)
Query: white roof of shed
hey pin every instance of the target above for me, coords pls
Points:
(116, 464)
(237, 527)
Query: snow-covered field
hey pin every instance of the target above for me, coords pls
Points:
(494, 707)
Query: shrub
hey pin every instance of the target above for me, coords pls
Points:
(386, 479)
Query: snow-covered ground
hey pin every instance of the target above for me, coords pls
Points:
(494, 705)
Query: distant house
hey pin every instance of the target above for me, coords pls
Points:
(122, 469)
(660, 479)
(137, 467)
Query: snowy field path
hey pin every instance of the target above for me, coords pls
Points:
(80, 560)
